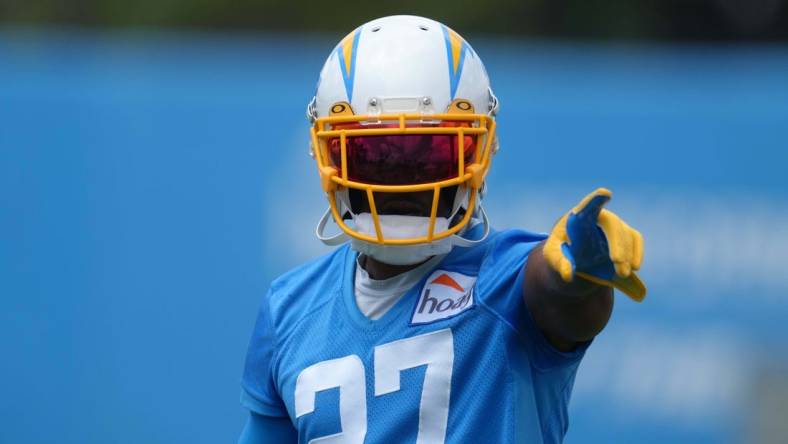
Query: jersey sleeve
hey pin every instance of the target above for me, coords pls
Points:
(502, 287)
(258, 390)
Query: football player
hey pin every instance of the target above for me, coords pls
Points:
(426, 325)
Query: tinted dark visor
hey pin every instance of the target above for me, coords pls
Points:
(402, 159)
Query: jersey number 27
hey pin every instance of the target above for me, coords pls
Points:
(435, 350)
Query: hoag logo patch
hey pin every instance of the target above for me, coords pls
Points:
(446, 294)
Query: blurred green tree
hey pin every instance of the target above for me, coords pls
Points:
(587, 19)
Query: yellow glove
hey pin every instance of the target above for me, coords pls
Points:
(598, 246)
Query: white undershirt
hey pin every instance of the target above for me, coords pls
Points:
(375, 297)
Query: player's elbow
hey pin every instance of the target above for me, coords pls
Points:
(587, 318)
(567, 321)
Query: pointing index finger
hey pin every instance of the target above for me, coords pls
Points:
(592, 204)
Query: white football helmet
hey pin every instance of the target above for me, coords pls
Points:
(403, 105)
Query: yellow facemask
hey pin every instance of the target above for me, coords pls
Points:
(331, 136)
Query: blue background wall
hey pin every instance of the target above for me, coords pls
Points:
(152, 184)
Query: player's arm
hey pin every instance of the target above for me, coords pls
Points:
(569, 278)
(261, 429)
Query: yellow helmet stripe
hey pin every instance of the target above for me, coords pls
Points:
(346, 52)
(456, 48)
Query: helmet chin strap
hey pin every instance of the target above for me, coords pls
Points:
(403, 254)
(331, 241)
(460, 241)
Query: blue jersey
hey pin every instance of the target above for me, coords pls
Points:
(457, 359)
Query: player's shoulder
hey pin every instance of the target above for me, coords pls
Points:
(510, 244)
(500, 245)
(500, 240)
(502, 254)
(303, 289)
(321, 270)
(497, 265)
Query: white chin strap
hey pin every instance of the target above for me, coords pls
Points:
(402, 227)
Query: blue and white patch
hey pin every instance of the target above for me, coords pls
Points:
(445, 294)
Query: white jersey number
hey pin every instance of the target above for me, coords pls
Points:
(435, 350)
(344, 373)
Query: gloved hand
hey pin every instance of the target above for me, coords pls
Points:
(596, 245)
